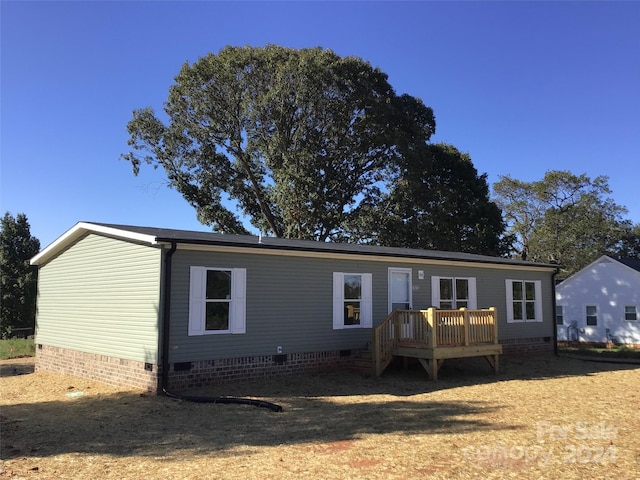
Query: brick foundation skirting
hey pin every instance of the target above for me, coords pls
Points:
(520, 346)
(102, 368)
(183, 376)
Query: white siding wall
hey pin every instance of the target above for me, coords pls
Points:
(609, 286)
(101, 296)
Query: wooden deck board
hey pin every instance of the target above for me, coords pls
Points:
(448, 352)
(432, 336)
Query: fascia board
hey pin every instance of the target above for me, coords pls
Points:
(79, 230)
(356, 256)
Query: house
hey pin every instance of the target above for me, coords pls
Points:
(601, 303)
(158, 308)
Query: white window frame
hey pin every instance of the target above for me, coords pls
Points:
(366, 301)
(587, 315)
(472, 301)
(198, 301)
(537, 301)
(560, 313)
(632, 319)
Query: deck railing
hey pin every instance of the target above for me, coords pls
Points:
(432, 328)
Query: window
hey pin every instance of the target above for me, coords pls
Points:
(592, 315)
(352, 305)
(630, 313)
(450, 293)
(559, 315)
(217, 300)
(524, 301)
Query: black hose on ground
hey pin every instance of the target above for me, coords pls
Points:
(165, 351)
(225, 400)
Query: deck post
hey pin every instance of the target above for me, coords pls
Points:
(465, 325)
(397, 326)
(431, 321)
(494, 314)
(376, 352)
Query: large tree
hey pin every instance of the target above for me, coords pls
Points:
(18, 278)
(628, 245)
(292, 140)
(436, 201)
(563, 218)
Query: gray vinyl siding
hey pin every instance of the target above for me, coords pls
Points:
(289, 303)
(491, 292)
(101, 296)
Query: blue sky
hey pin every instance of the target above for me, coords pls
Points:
(522, 87)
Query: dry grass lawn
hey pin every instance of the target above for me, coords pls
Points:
(541, 417)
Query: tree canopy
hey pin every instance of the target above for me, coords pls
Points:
(18, 279)
(438, 201)
(294, 139)
(563, 218)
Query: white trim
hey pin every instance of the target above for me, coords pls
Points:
(366, 301)
(197, 301)
(472, 301)
(538, 301)
(391, 270)
(435, 291)
(82, 228)
(238, 310)
(473, 293)
(338, 301)
(197, 284)
(366, 304)
(537, 305)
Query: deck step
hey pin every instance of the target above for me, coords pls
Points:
(363, 363)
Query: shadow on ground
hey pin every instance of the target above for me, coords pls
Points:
(130, 424)
(317, 408)
(17, 366)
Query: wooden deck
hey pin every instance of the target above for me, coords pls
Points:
(432, 336)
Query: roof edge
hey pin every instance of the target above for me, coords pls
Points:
(79, 230)
(600, 259)
(432, 254)
(160, 236)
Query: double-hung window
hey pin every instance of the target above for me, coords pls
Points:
(592, 315)
(524, 301)
(217, 300)
(352, 300)
(453, 292)
(559, 315)
(631, 313)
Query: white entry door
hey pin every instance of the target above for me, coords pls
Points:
(399, 289)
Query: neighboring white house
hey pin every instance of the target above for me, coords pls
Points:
(601, 303)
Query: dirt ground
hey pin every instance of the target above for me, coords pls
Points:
(541, 417)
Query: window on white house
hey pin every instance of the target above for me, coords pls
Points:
(592, 315)
(559, 315)
(524, 301)
(450, 293)
(217, 300)
(631, 313)
(352, 300)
